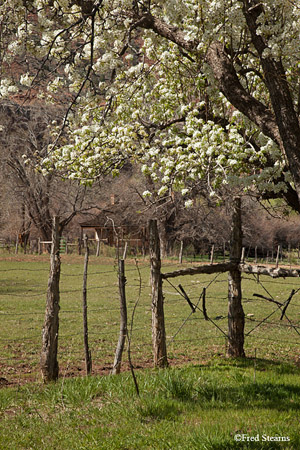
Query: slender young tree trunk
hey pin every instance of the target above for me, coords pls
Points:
(48, 361)
(158, 319)
(236, 317)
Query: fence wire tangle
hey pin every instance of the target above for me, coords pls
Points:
(279, 320)
(189, 335)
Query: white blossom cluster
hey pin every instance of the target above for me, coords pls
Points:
(141, 97)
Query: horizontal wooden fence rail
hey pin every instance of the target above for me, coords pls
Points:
(205, 269)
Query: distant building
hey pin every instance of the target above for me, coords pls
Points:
(108, 228)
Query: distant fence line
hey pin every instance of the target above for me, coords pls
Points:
(67, 246)
(278, 254)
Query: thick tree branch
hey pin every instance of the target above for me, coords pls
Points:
(171, 33)
(231, 87)
(280, 95)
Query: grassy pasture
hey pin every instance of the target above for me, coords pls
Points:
(192, 408)
(201, 402)
(189, 337)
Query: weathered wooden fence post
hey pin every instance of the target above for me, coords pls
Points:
(88, 357)
(243, 255)
(181, 252)
(212, 254)
(123, 320)
(158, 319)
(125, 251)
(277, 255)
(236, 317)
(48, 361)
(98, 248)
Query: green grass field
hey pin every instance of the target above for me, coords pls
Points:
(190, 338)
(196, 407)
(202, 401)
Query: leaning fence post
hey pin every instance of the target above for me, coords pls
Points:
(123, 320)
(158, 319)
(236, 317)
(48, 360)
(88, 357)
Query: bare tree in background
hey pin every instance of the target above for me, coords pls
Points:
(32, 198)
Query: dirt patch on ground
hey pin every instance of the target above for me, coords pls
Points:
(22, 374)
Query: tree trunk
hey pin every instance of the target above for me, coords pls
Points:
(236, 317)
(158, 319)
(48, 361)
(281, 99)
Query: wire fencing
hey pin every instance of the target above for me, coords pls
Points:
(22, 309)
(271, 327)
(190, 335)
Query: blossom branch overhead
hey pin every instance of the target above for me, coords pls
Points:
(189, 90)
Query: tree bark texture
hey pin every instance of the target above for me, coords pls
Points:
(158, 319)
(236, 317)
(48, 360)
(123, 319)
(280, 95)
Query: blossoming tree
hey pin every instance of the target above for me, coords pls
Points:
(189, 89)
